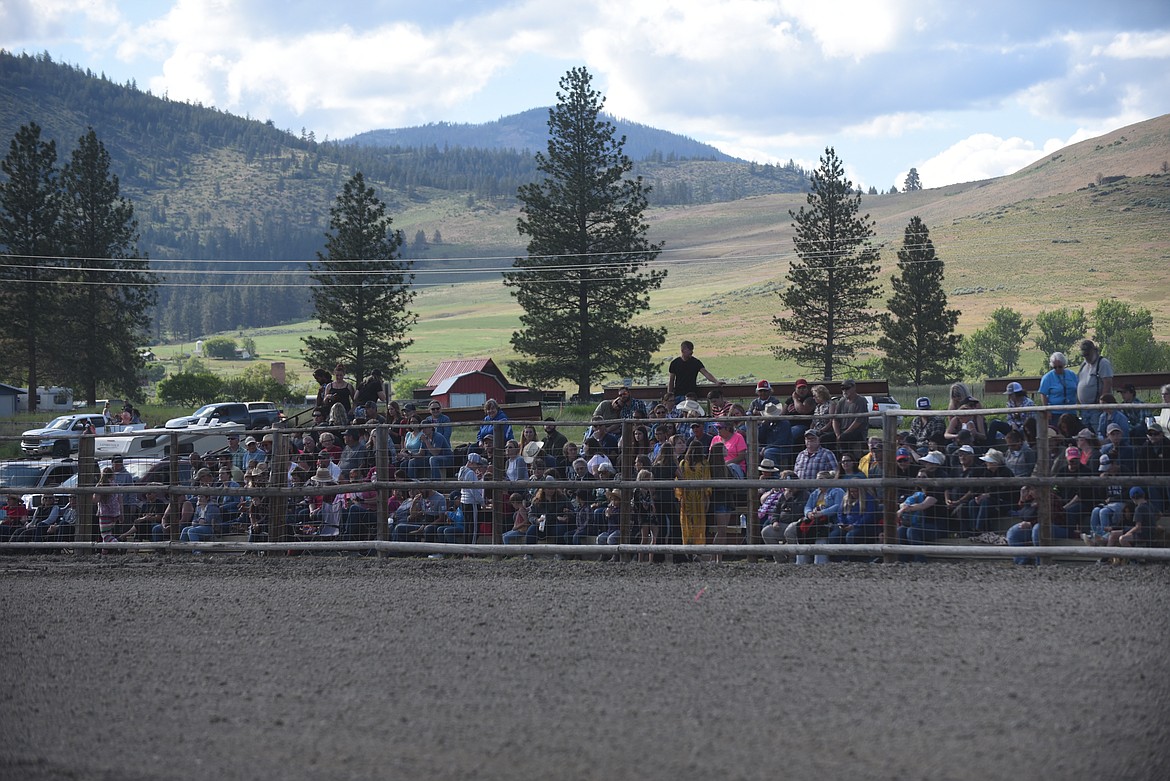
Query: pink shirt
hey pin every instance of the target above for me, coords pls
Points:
(734, 448)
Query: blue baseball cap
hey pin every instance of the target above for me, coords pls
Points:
(1137, 492)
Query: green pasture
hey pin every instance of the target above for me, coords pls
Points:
(727, 263)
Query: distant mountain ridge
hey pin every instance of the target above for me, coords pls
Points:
(528, 131)
(210, 187)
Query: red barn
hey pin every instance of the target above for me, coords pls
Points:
(469, 382)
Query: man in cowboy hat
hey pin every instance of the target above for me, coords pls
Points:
(775, 434)
(994, 502)
(532, 451)
(321, 517)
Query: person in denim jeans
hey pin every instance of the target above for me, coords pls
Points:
(1027, 530)
(204, 522)
(860, 521)
(1110, 513)
(918, 519)
(821, 512)
(520, 523)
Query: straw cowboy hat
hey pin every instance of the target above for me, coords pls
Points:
(993, 456)
(531, 451)
(323, 475)
(773, 410)
(690, 405)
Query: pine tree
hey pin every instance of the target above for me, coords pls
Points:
(110, 306)
(362, 290)
(832, 283)
(919, 337)
(912, 182)
(30, 213)
(585, 275)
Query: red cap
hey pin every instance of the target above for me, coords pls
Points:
(801, 381)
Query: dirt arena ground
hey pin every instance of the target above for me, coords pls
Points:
(238, 667)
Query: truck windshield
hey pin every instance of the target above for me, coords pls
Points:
(20, 475)
(60, 424)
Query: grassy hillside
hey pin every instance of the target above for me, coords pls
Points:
(206, 185)
(1044, 237)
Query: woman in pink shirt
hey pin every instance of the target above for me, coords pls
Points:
(734, 448)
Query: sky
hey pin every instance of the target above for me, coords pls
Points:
(959, 90)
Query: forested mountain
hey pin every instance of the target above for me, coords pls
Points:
(528, 131)
(231, 208)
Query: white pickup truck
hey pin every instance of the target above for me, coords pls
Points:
(40, 441)
(156, 442)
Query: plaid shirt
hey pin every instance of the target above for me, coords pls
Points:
(808, 464)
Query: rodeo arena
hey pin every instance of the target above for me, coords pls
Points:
(780, 579)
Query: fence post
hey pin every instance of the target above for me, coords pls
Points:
(174, 497)
(889, 492)
(752, 534)
(1044, 469)
(278, 476)
(627, 469)
(382, 465)
(499, 496)
(86, 478)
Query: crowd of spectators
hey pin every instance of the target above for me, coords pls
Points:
(685, 437)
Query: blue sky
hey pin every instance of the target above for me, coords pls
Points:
(959, 90)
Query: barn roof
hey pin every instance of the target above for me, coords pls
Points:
(451, 369)
(445, 386)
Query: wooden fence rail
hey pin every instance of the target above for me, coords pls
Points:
(499, 486)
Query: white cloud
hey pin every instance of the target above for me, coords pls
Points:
(851, 28)
(892, 125)
(1129, 46)
(980, 156)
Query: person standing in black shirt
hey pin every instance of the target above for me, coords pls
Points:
(685, 371)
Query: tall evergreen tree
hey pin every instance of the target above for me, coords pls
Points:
(912, 182)
(832, 283)
(362, 290)
(30, 212)
(918, 333)
(585, 275)
(111, 299)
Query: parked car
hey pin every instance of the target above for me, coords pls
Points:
(32, 478)
(41, 441)
(230, 411)
(880, 404)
